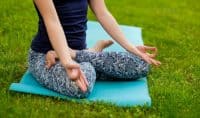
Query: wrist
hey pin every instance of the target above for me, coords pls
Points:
(132, 49)
(72, 53)
(65, 60)
(66, 63)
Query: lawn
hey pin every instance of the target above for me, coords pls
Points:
(172, 26)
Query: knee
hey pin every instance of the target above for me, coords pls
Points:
(140, 67)
(140, 71)
(143, 69)
(89, 71)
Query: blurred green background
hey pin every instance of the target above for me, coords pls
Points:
(172, 26)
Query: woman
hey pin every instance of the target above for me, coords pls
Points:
(62, 26)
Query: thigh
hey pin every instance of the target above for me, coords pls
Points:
(56, 78)
(122, 65)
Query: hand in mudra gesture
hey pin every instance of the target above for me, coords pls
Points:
(72, 68)
(147, 56)
(75, 73)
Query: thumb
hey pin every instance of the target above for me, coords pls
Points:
(72, 69)
(74, 74)
(151, 55)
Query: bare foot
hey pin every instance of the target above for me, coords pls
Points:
(51, 56)
(100, 45)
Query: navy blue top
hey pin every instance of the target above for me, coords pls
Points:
(73, 18)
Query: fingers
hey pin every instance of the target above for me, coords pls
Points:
(82, 82)
(146, 58)
(81, 85)
(151, 55)
(145, 49)
(141, 48)
(84, 78)
(153, 49)
(50, 63)
(150, 48)
(73, 70)
(155, 62)
(73, 74)
(150, 60)
(50, 59)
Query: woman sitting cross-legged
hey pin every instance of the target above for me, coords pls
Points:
(60, 60)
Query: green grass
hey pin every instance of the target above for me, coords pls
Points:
(172, 26)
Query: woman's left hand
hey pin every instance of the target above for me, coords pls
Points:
(149, 57)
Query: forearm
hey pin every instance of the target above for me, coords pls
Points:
(59, 43)
(54, 29)
(111, 26)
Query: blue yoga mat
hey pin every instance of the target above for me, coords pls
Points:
(121, 93)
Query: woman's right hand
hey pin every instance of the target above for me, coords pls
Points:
(75, 73)
(72, 68)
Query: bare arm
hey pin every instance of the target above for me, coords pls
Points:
(54, 29)
(111, 26)
(59, 43)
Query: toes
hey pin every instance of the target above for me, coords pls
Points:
(110, 42)
(107, 43)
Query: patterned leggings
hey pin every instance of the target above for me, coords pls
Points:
(95, 65)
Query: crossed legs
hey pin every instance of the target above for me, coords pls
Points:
(94, 64)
